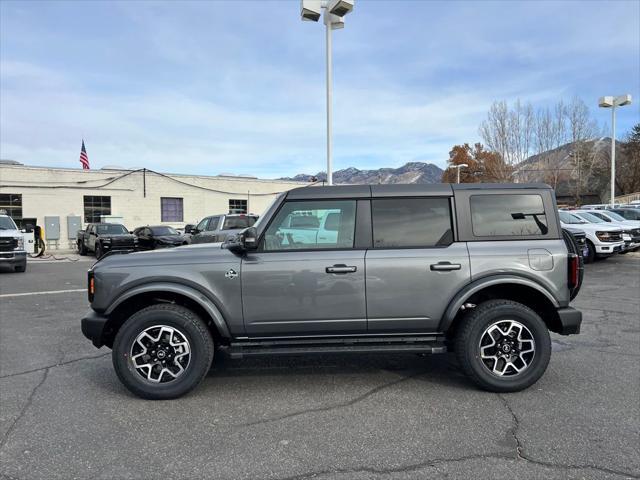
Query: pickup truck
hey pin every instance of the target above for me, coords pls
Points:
(100, 238)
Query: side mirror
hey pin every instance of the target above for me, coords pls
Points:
(244, 241)
(189, 228)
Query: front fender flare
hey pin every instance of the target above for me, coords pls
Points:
(463, 295)
(179, 289)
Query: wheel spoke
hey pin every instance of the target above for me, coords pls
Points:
(160, 353)
(506, 348)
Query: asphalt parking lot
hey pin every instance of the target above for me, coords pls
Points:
(64, 414)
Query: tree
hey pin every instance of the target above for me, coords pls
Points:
(628, 169)
(483, 165)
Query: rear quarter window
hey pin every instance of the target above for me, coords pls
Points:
(517, 215)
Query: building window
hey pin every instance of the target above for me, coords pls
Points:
(237, 206)
(11, 203)
(96, 206)
(171, 209)
(517, 215)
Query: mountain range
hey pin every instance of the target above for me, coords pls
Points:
(412, 172)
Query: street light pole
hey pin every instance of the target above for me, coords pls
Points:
(613, 102)
(334, 12)
(329, 105)
(458, 167)
(613, 155)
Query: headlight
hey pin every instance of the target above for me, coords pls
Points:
(19, 243)
(604, 236)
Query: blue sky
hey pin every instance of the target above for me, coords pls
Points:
(238, 86)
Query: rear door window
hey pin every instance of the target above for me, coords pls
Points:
(411, 222)
(508, 215)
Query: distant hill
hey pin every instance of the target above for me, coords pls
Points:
(412, 172)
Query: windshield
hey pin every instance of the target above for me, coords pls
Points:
(6, 223)
(235, 223)
(570, 219)
(111, 229)
(590, 217)
(616, 217)
(164, 231)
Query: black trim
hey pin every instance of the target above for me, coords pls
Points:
(364, 227)
(92, 325)
(570, 321)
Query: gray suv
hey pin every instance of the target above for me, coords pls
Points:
(480, 270)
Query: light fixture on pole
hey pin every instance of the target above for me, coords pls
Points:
(459, 166)
(334, 12)
(613, 102)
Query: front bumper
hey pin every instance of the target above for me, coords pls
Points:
(609, 248)
(13, 258)
(93, 325)
(570, 321)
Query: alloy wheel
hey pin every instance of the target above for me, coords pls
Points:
(507, 348)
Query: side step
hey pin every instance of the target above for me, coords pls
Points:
(425, 344)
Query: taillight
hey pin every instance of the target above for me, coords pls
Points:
(574, 270)
(91, 285)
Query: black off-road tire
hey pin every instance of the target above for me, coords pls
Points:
(82, 250)
(22, 267)
(188, 324)
(467, 345)
(99, 251)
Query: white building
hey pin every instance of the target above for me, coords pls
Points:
(62, 200)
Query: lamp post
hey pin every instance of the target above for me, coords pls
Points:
(334, 12)
(458, 167)
(613, 102)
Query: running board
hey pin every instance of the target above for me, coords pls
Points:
(427, 344)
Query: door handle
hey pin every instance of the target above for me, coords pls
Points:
(444, 266)
(341, 268)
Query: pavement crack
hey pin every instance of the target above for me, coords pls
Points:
(336, 406)
(432, 463)
(58, 364)
(520, 454)
(27, 404)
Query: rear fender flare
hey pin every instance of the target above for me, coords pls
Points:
(463, 295)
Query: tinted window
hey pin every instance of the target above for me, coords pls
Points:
(629, 214)
(411, 222)
(570, 219)
(508, 215)
(297, 226)
(163, 231)
(213, 224)
(590, 217)
(113, 229)
(234, 223)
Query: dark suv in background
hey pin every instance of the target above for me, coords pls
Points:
(479, 269)
(216, 228)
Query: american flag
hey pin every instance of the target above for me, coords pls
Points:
(84, 159)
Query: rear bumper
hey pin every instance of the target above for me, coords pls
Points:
(93, 325)
(570, 321)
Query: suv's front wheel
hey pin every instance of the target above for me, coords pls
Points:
(503, 346)
(162, 351)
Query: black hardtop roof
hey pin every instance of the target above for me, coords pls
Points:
(401, 190)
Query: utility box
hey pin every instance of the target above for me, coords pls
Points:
(74, 223)
(52, 228)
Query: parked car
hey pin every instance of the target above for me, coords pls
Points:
(216, 228)
(12, 252)
(630, 228)
(627, 213)
(158, 236)
(602, 240)
(413, 268)
(580, 237)
(101, 238)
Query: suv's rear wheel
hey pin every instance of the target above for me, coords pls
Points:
(503, 346)
(162, 351)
